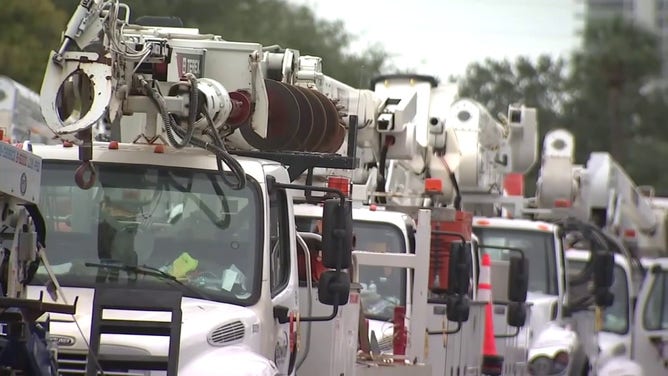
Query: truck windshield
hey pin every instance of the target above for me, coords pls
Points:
(382, 288)
(538, 247)
(187, 223)
(616, 317)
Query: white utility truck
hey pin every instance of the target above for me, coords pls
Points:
(396, 161)
(387, 293)
(601, 193)
(564, 335)
(182, 225)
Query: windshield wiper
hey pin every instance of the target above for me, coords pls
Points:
(148, 270)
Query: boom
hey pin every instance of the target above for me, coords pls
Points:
(600, 192)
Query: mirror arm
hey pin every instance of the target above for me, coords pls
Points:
(273, 184)
(444, 332)
(335, 311)
(512, 249)
(337, 287)
(508, 335)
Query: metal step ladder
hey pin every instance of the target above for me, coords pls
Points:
(128, 299)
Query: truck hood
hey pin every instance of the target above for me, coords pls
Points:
(611, 346)
(205, 324)
(541, 312)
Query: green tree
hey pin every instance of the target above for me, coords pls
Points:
(30, 29)
(617, 59)
(269, 22)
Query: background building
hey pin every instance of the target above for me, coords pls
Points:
(652, 14)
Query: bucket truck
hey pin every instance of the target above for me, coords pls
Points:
(558, 200)
(20, 114)
(602, 194)
(186, 214)
(385, 288)
(381, 207)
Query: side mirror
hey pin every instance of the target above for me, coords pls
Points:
(604, 264)
(518, 281)
(337, 234)
(334, 288)
(457, 308)
(459, 268)
(516, 315)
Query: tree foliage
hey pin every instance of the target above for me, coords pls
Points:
(268, 22)
(616, 60)
(30, 29)
(599, 96)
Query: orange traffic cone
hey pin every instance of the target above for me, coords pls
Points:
(492, 363)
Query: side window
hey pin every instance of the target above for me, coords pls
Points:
(562, 255)
(475, 262)
(279, 241)
(656, 308)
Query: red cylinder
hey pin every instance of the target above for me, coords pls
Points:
(400, 338)
(241, 108)
(439, 260)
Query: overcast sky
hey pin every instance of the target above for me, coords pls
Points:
(441, 37)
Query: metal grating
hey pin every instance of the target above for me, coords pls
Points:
(386, 344)
(74, 364)
(226, 334)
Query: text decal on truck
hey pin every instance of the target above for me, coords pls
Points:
(189, 63)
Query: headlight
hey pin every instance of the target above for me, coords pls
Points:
(541, 365)
(544, 366)
(560, 362)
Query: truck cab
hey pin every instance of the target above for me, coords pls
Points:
(634, 330)
(231, 253)
(547, 343)
(616, 336)
(382, 289)
(380, 229)
(650, 327)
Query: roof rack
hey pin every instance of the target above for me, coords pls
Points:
(300, 161)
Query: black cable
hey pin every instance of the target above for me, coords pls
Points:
(217, 148)
(380, 184)
(221, 155)
(234, 165)
(171, 124)
(458, 195)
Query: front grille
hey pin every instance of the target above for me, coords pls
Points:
(70, 364)
(74, 364)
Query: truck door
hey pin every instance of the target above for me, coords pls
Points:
(283, 287)
(651, 324)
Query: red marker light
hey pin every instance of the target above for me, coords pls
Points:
(562, 203)
(339, 182)
(433, 185)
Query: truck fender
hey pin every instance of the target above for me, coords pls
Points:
(229, 361)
